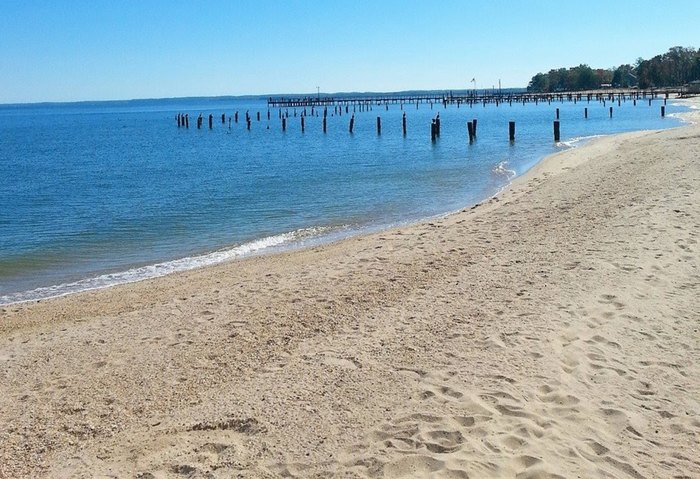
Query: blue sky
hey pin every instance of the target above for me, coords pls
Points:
(65, 50)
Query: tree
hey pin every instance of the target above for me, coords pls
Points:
(676, 67)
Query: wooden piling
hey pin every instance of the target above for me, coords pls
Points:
(178, 120)
(437, 125)
(187, 120)
(557, 113)
(556, 131)
(258, 116)
(511, 131)
(585, 112)
(379, 126)
(284, 124)
(403, 122)
(211, 121)
(611, 112)
(470, 131)
(302, 124)
(235, 117)
(248, 124)
(433, 131)
(474, 127)
(352, 123)
(223, 118)
(324, 124)
(663, 111)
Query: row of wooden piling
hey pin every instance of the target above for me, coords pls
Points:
(338, 110)
(183, 121)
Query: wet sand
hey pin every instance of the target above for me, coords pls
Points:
(549, 332)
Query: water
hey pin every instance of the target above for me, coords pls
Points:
(95, 194)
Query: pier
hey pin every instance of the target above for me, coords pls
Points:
(326, 106)
(468, 98)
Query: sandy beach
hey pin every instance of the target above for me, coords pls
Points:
(549, 332)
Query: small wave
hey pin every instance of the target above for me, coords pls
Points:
(502, 169)
(577, 141)
(298, 238)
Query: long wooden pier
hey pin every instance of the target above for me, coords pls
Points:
(468, 98)
(343, 104)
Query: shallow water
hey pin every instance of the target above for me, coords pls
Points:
(94, 194)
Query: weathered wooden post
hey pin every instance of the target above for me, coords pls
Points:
(403, 123)
(437, 125)
(235, 117)
(557, 113)
(199, 121)
(511, 131)
(248, 124)
(379, 126)
(284, 124)
(352, 123)
(585, 112)
(302, 124)
(470, 131)
(649, 101)
(187, 120)
(178, 120)
(556, 131)
(474, 127)
(611, 112)
(211, 121)
(663, 111)
(433, 131)
(258, 116)
(324, 124)
(223, 118)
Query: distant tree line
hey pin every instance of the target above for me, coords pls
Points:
(676, 67)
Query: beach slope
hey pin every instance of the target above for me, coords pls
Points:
(549, 332)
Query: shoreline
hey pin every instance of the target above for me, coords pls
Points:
(317, 242)
(547, 331)
(280, 243)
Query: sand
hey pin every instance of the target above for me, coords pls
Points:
(549, 332)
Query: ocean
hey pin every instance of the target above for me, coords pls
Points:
(94, 194)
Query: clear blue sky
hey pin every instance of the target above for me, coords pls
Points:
(64, 50)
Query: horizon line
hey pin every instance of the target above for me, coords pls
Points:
(250, 95)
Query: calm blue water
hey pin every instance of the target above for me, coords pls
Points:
(94, 194)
